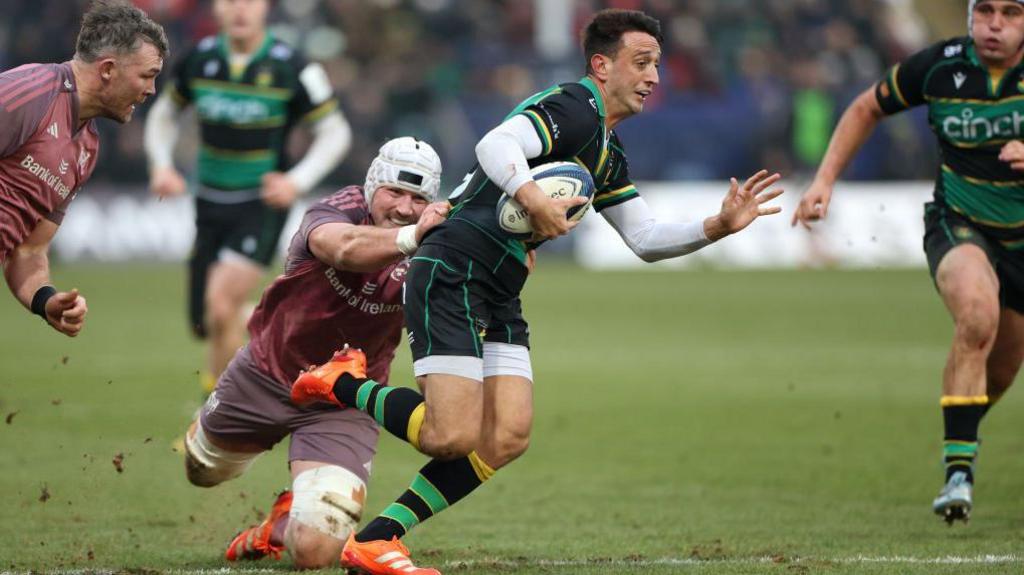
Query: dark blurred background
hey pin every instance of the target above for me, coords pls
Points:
(745, 83)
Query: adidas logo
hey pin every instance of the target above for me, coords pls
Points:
(52, 130)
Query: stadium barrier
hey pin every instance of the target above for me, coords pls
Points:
(869, 225)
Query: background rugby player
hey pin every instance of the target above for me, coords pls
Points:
(342, 282)
(249, 89)
(973, 87)
(49, 144)
(463, 312)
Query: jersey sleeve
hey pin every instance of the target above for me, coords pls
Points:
(178, 85)
(903, 86)
(23, 109)
(564, 123)
(620, 186)
(314, 95)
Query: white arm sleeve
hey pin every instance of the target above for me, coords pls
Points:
(161, 132)
(503, 153)
(332, 137)
(650, 239)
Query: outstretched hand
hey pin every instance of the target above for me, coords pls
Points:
(65, 311)
(745, 203)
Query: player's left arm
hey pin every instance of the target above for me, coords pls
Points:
(27, 272)
(653, 240)
(316, 104)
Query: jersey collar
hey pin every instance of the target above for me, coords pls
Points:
(222, 45)
(589, 84)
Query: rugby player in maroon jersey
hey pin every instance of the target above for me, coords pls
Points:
(49, 144)
(342, 283)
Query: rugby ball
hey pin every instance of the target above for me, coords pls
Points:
(557, 180)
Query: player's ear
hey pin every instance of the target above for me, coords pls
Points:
(106, 67)
(600, 63)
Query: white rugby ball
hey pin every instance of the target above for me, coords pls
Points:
(557, 180)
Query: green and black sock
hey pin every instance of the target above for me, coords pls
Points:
(439, 485)
(961, 416)
(399, 410)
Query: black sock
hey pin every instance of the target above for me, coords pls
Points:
(960, 447)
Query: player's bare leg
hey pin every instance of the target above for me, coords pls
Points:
(1007, 353)
(230, 284)
(970, 290)
(508, 419)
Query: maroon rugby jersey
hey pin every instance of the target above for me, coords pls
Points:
(44, 158)
(314, 309)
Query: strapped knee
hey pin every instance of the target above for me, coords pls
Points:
(329, 499)
(208, 465)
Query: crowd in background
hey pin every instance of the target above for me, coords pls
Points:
(745, 83)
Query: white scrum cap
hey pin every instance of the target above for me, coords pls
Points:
(407, 164)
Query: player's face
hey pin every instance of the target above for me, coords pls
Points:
(998, 30)
(632, 74)
(241, 20)
(132, 79)
(394, 208)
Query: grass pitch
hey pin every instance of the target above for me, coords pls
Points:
(696, 422)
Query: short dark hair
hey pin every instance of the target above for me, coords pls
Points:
(603, 35)
(119, 27)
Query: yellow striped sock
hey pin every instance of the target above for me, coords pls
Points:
(948, 400)
(483, 471)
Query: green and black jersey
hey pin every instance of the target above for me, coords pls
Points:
(245, 114)
(973, 113)
(570, 121)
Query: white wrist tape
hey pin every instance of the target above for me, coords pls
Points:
(406, 240)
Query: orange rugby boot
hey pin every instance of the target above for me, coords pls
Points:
(254, 543)
(317, 384)
(380, 558)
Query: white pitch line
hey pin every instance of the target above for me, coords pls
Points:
(664, 561)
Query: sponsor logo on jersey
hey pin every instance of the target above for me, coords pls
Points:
(62, 167)
(369, 288)
(53, 130)
(43, 173)
(953, 50)
(217, 108)
(958, 79)
(969, 127)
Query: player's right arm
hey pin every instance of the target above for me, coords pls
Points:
(27, 272)
(161, 133)
(902, 88)
(365, 248)
(503, 155)
(855, 126)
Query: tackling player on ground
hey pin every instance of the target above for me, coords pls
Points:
(49, 143)
(249, 89)
(462, 307)
(342, 282)
(974, 236)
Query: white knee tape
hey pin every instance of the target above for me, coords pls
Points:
(218, 464)
(507, 359)
(329, 499)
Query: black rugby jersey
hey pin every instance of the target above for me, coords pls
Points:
(570, 121)
(245, 114)
(973, 113)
